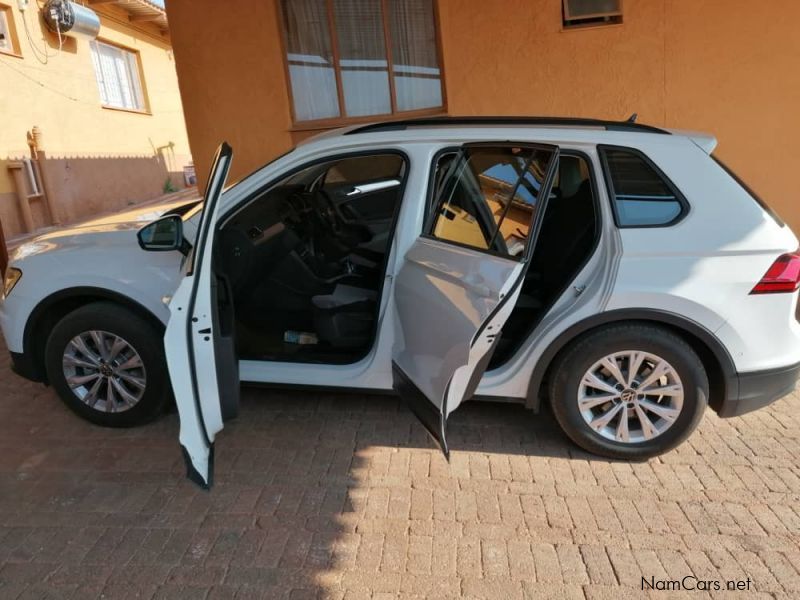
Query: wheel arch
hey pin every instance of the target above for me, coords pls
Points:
(56, 306)
(716, 359)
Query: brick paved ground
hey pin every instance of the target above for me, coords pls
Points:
(343, 497)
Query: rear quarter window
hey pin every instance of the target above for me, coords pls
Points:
(642, 196)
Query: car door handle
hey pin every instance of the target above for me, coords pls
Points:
(373, 187)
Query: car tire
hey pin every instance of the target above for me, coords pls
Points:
(582, 402)
(73, 358)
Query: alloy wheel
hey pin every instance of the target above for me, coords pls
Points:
(104, 371)
(630, 396)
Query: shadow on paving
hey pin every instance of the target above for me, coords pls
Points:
(86, 510)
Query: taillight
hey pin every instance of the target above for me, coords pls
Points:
(783, 276)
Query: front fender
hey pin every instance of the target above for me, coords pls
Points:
(49, 281)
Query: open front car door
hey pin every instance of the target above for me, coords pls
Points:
(199, 340)
(461, 278)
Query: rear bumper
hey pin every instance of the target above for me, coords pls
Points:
(760, 388)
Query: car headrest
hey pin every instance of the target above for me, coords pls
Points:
(570, 177)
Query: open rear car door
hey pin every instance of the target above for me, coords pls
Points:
(461, 279)
(199, 340)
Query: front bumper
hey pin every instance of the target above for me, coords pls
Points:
(23, 366)
(760, 388)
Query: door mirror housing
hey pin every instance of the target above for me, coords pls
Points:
(163, 235)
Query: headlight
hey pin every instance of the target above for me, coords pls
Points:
(11, 279)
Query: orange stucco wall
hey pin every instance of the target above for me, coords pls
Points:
(232, 81)
(731, 67)
(103, 159)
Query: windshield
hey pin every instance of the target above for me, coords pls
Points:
(194, 209)
(185, 211)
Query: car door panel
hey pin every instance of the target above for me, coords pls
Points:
(225, 347)
(199, 341)
(451, 302)
(196, 420)
(444, 343)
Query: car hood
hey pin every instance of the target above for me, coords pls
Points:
(134, 218)
(118, 228)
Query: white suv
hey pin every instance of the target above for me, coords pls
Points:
(615, 270)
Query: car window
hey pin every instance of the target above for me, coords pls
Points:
(306, 191)
(361, 169)
(642, 196)
(486, 197)
(185, 211)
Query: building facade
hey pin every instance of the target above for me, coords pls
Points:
(101, 114)
(263, 75)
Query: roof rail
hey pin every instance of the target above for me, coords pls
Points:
(524, 121)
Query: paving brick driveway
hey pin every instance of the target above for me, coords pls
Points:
(343, 497)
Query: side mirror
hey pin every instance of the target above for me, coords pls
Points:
(163, 235)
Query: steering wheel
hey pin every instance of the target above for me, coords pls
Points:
(326, 211)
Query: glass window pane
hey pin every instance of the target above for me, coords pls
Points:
(581, 9)
(5, 34)
(117, 74)
(98, 72)
(310, 58)
(110, 76)
(644, 212)
(365, 168)
(121, 74)
(641, 196)
(417, 77)
(133, 75)
(490, 198)
(516, 217)
(362, 57)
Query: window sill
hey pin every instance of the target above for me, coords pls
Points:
(127, 110)
(324, 124)
(571, 28)
(11, 53)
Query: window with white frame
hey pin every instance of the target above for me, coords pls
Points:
(582, 13)
(117, 74)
